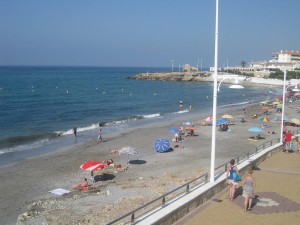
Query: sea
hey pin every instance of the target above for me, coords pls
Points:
(40, 106)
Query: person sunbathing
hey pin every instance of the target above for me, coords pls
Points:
(107, 162)
(82, 186)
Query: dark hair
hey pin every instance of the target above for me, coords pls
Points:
(232, 162)
(85, 179)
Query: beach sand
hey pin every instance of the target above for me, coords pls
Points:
(25, 185)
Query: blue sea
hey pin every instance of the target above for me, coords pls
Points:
(39, 106)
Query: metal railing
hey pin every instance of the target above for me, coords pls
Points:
(184, 189)
(161, 201)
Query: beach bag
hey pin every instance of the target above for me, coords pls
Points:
(236, 177)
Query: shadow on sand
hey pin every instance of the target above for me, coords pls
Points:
(137, 162)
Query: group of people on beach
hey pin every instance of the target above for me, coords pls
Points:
(99, 134)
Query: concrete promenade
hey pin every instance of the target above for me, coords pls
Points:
(277, 197)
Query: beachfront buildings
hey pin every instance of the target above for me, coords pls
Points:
(283, 60)
(289, 60)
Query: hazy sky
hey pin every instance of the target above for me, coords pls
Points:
(144, 32)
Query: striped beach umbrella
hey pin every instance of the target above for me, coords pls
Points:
(92, 165)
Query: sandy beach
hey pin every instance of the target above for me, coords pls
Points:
(25, 185)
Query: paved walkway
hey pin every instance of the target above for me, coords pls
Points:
(277, 198)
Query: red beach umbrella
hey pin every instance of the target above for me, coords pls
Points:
(92, 165)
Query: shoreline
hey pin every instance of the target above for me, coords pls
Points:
(33, 178)
(68, 141)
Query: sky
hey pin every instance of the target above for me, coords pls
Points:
(146, 33)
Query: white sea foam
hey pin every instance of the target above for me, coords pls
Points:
(79, 129)
(182, 111)
(233, 104)
(155, 115)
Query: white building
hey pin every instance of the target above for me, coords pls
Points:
(289, 60)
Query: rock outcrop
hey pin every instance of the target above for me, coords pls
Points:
(175, 76)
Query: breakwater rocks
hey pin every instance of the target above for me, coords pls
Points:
(175, 76)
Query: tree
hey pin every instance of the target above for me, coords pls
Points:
(243, 64)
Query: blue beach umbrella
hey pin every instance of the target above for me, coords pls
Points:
(188, 123)
(256, 130)
(174, 130)
(162, 145)
(222, 121)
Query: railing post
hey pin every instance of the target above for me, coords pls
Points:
(163, 200)
(248, 155)
(271, 142)
(187, 188)
(263, 145)
(225, 167)
(132, 218)
(206, 177)
(238, 160)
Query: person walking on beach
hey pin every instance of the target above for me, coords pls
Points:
(75, 131)
(100, 136)
(248, 190)
(230, 180)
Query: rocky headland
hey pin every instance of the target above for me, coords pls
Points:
(204, 76)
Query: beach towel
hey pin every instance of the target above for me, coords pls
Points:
(59, 191)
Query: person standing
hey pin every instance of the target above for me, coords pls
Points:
(176, 137)
(100, 136)
(288, 140)
(229, 174)
(75, 131)
(180, 105)
(248, 190)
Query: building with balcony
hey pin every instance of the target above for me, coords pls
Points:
(289, 60)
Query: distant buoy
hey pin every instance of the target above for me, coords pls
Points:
(206, 96)
(103, 92)
(67, 91)
(122, 89)
(96, 88)
(130, 94)
(154, 93)
(56, 87)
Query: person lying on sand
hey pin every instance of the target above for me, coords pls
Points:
(82, 186)
(107, 162)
